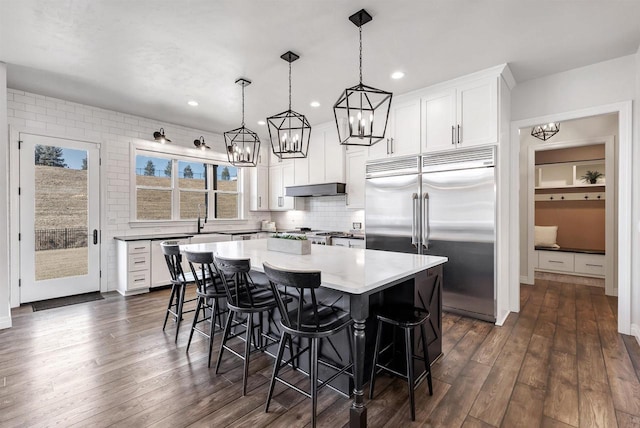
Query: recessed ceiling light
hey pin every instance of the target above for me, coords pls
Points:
(262, 122)
(314, 104)
(193, 103)
(397, 75)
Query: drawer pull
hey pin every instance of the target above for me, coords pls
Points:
(138, 262)
(139, 248)
(555, 261)
(589, 264)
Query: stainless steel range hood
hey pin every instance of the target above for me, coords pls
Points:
(325, 189)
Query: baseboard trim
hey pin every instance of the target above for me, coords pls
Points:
(5, 322)
(635, 331)
(500, 321)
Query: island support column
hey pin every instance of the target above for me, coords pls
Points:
(359, 313)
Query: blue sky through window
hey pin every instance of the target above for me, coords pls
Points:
(73, 158)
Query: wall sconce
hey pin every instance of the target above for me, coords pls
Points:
(199, 143)
(160, 137)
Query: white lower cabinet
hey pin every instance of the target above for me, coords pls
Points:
(134, 267)
(582, 264)
(347, 242)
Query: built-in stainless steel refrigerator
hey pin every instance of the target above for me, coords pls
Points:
(441, 204)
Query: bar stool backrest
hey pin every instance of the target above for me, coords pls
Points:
(236, 280)
(203, 262)
(301, 281)
(172, 256)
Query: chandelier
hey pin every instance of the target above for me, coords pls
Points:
(289, 131)
(243, 145)
(362, 112)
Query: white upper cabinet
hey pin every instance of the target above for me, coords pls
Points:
(326, 155)
(259, 188)
(282, 175)
(403, 131)
(439, 111)
(462, 116)
(478, 112)
(334, 153)
(355, 168)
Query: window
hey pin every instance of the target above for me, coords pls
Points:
(180, 188)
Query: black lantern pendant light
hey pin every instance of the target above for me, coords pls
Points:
(546, 131)
(362, 112)
(289, 131)
(242, 144)
(159, 137)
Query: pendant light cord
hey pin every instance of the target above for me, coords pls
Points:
(360, 31)
(242, 106)
(289, 85)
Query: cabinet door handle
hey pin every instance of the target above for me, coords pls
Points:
(259, 201)
(459, 135)
(453, 131)
(391, 145)
(387, 146)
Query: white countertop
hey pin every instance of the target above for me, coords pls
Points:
(351, 270)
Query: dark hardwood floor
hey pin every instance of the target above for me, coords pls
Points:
(557, 363)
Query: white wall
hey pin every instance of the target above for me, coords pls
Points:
(597, 126)
(597, 84)
(115, 131)
(5, 311)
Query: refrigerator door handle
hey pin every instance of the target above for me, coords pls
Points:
(414, 237)
(425, 221)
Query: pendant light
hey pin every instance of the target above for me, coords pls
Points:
(243, 145)
(289, 131)
(362, 112)
(160, 137)
(546, 131)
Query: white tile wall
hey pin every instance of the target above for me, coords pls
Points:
(114, 130)
(323, 213)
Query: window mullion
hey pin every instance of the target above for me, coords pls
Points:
(175, 191)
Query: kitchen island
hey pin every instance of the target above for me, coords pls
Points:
(366, 278)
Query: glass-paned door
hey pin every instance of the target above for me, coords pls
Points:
(59, 218)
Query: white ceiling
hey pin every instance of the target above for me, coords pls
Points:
(149, 57)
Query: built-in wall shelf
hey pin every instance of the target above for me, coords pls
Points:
(568, 175)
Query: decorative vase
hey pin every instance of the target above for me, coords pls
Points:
(291, 246)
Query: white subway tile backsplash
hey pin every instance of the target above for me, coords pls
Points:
(25, 115)
(35, 124)
(17, 106)
(26, 99)
(35, 108)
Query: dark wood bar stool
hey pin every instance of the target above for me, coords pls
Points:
(246, 298)
(405, 317)
(309, 320)
(210, 293)
(179, 282)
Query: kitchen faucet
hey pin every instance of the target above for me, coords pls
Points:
(200, 225)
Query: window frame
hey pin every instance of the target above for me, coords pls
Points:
(174, 154)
